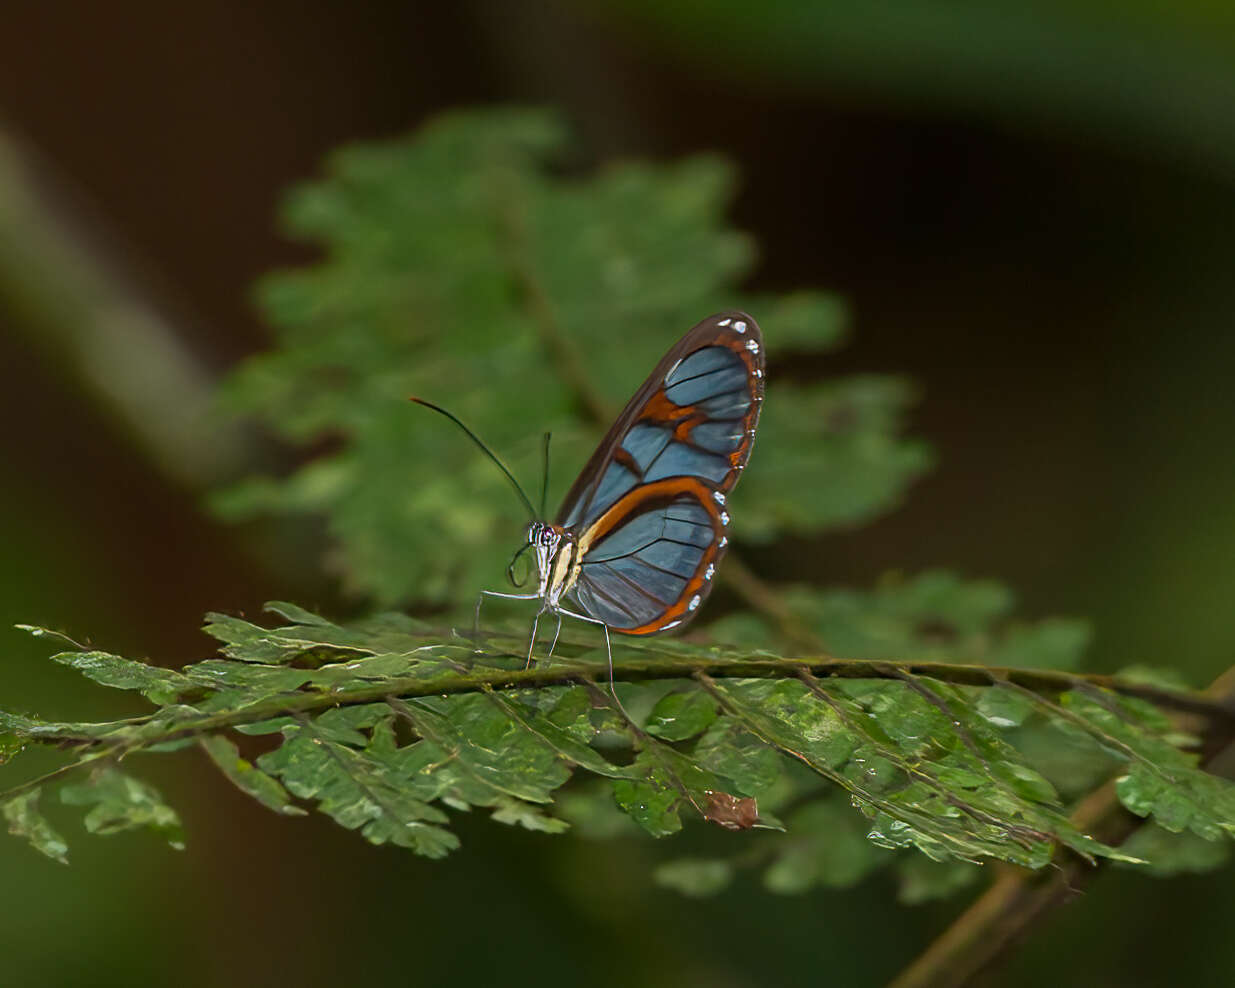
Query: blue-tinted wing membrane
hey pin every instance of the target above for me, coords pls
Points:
(706, 373)
(614, 482)
(723, 436)
(657, 455)
(683, 460)
(694, 417)
(644, 568)
(732, 405)
(646, 441)
(684, 523)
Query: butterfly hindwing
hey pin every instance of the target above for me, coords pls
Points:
(653, 567)
(648, 509)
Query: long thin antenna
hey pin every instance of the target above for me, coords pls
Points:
(544, 484)
(486, 450)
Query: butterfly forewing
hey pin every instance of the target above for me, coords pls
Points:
(648, 511)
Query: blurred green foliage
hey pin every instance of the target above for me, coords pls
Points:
(463, 266)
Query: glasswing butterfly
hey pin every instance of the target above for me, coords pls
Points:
(637, 540)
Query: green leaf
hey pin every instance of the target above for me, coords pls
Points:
(247, 778)
(666, 783)
(729, 749)
(681, 715)
(696, 877)
(566, 730)
(24, 820)
(829, 455)
(326, 760)
(1003, 708)
(159, 685)
(652, 801)
(923, 880)
(491, 754)
(528, 815)
(1161, 781)
(119, 802)
(804, 321)
(824, 845)
(592, 811)
(11, 743)
(932, 615)
(296, 614)
(1153, 676)
(1167, 853)
(1055, 643)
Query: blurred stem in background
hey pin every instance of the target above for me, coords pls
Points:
(76, 306)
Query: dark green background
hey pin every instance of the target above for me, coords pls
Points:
(1033, 214)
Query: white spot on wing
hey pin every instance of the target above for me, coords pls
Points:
(719, 497)
(752, 346)
(724, 541)
(671, 624)
(711, 572)
(739, 326)
(694, 602)
(724, 517)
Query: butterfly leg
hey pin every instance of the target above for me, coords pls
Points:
(531, 645)
(608, 651)
(555, 635)
(494, 593)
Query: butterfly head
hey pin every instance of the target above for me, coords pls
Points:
(547, 541)
(544, 540)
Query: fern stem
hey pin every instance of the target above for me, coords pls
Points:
(1041, 682)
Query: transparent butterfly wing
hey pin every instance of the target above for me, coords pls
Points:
(648, 510)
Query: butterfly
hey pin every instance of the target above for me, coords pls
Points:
(635, 546)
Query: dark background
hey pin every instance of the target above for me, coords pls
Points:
(1030, 214)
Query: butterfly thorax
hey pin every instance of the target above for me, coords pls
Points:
(557, 560)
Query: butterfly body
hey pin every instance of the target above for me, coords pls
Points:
(637, 541)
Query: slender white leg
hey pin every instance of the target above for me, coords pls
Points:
(531, 645)
(494, 593)
(608, 652)
(555, 634)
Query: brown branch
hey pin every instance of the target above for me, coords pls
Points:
(1017, 901)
